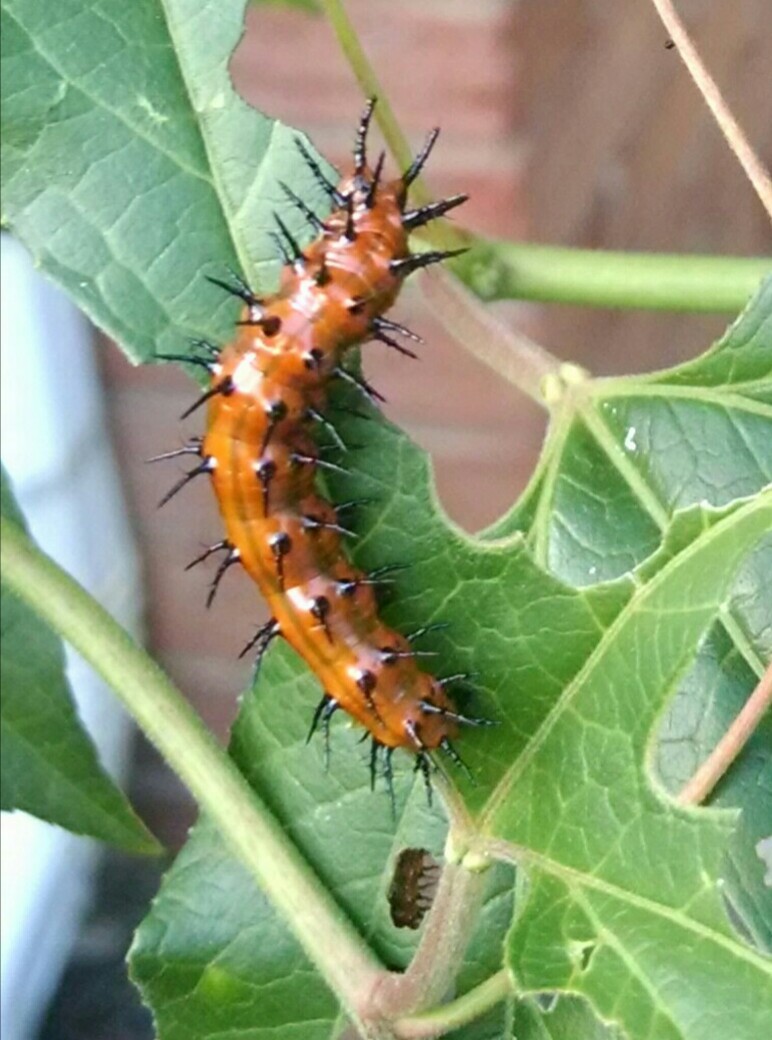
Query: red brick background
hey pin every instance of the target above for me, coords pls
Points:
(568, 121)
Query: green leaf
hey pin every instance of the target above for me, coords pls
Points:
(625, 453)
(130, 168)
(564, 1018)
(332, 815)
(709, 698)
(622, 455)
(526, 633)
(623, 895)
(48, 764)
(132, 171)
(212, 956)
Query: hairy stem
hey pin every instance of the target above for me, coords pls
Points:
(458, 1012)
(247, 826)
(699, 786)
(441, 234)
(369, 83)
(545, 273)
(596, 278)
(509, 353)
(589, 277)
(730, 128)
(445, 937)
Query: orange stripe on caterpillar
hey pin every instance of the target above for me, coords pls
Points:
(269, 387)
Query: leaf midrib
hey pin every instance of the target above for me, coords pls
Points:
(708, 395)
(633, 605)
(209, 149)
(586, 412)
(211, 176)
(577, 881)
(649, 501)
(606, 934)
(632, 476)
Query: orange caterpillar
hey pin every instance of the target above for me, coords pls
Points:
(269, 389)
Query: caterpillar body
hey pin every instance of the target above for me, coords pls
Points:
(268, 391)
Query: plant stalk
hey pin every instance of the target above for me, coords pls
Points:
(456, 1013)
(441, 234)
(440, 953)
(743, 726)
(600, 278)
(511, 354)
(251, 832)
(559, 274)
(368, 81)
(733, 133)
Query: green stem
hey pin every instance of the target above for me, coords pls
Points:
(247, 826)
(441, 234)
(511, 354)
(444, 940)
(458, 1012)
(367, 79)
(559, 274)
(598, 278)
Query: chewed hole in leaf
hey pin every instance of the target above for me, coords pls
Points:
(546, 1001)
(581, 953)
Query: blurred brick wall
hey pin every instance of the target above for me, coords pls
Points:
(623, 154)
(567, 121)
